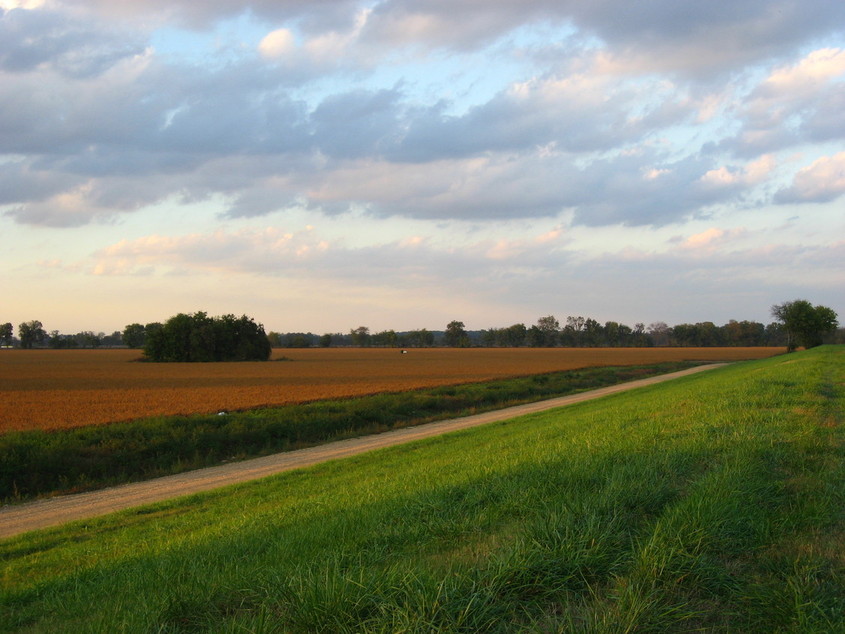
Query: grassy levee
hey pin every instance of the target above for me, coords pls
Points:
(39, 462)
(712, 503)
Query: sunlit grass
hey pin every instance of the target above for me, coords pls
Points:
(716, 502)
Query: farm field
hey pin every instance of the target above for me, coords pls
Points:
(710, 503)
(58, 389)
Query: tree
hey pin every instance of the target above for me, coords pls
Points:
(199, 337)
(640, 338)
(660, 333)
(419, 338)
(113, 340)
(298, 340)
(386, 339)
(134, 336)
(6, 333)
(88, 339)
(804, 323)
(572, 334)
(593, 332)
(326, 340)
(360, 336)
(455, 335)
(30, 333)
(616, 334)
(547, 331)
(515, 335)
(492, 337)
(58, 341)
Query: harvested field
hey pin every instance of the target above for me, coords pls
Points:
(52, 389)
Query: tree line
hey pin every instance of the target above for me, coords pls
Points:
(798, 323)
(31, 334)
(199, 337)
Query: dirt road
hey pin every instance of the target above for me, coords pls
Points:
(16, 519)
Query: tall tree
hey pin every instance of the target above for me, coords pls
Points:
(573, 333)
(30, 333)
(360, 336)
(548, 328)
(660, 333)
(804, 323)
(456, 335)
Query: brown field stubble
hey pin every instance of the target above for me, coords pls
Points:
(51, 389)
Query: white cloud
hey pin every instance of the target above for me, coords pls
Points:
(711, 240)
(268, 251)
(821, 181)
(705, 238)
(278, 43)
(751, 174)
(816, 68)
(21, 4)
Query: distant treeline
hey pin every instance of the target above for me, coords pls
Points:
(575, 332)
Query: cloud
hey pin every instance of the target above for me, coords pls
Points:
(712, 240)
(606, 132)
(513, 279)
(278, 43)
(816, 69)
(753, 173)
(77, 48)
(660, 36)
(269, 251)
(796, 103)
(201, 15)
(77, 206)
(275, 252)
(578, 113)
(705, 39)
(821, 181)
(18, 182)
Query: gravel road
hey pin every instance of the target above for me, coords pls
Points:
(20, 518)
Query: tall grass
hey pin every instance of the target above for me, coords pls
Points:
(714, 503)
(40, 462)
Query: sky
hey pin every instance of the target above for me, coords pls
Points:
(321, 165)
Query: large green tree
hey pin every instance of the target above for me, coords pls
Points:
(199, 337)
(804, 323)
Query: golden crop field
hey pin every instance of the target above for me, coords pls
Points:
(51, 389)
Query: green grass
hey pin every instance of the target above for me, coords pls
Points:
(713, 503)
(37, 462)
